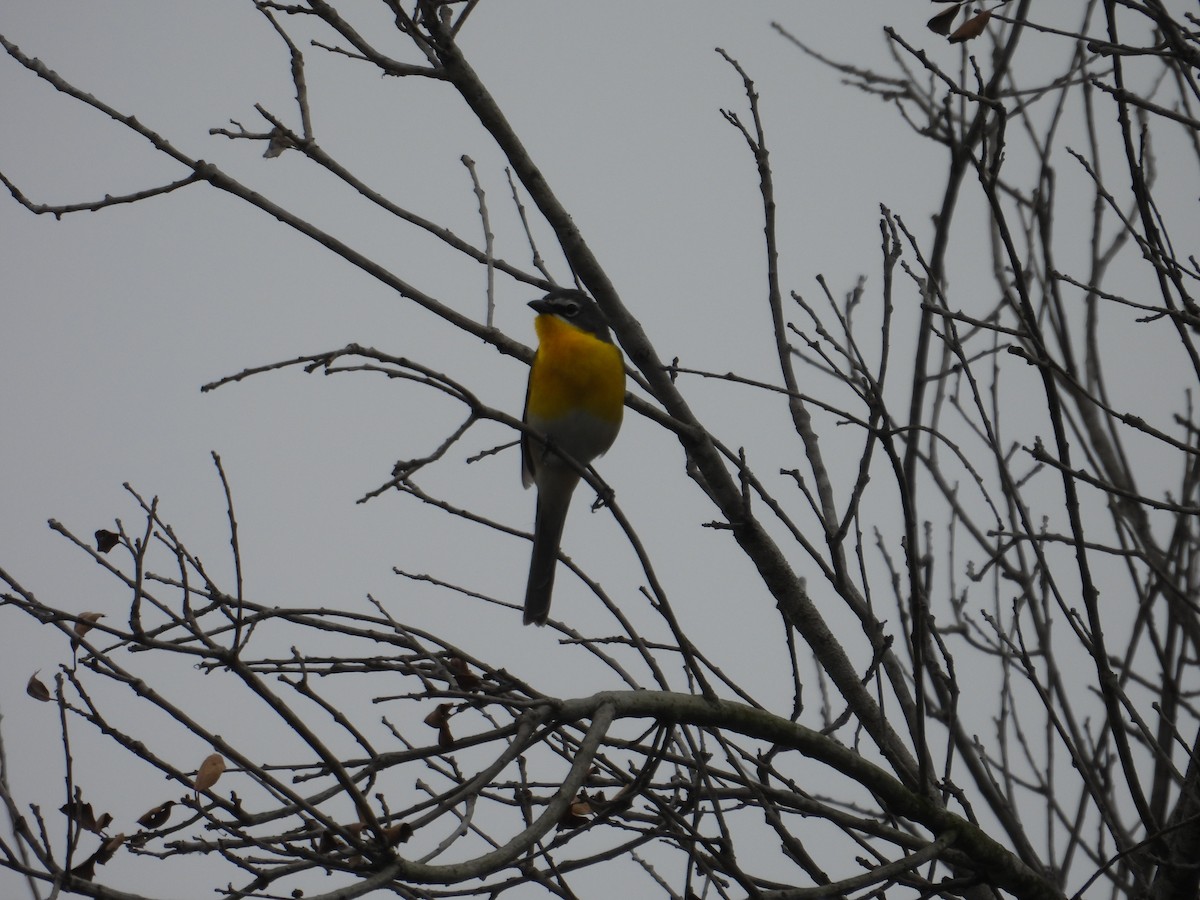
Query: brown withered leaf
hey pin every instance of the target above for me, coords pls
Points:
(106, 540)
(972, 28)
(80, 812)
(943, 21)
(467, 680)
(35, 689)
(327, 843)
(445, 738)
(210, 770)
(330, 841)
(571, 821)
(86, 870)
(397, 834)
(86, 621)
(157, 817)
(84, 816)
(440, 716)
(577, 813)
(109, 847)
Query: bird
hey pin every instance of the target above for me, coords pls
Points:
(574, 403)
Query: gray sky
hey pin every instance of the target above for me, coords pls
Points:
(113, 320)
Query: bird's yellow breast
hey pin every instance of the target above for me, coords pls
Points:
(575, 371)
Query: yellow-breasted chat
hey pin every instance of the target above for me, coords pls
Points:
(574, 403)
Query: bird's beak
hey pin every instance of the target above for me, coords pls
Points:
(539, 306)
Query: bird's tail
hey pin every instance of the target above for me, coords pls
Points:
(554, 498)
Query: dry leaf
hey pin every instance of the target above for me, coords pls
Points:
(106, 540)
(85, 817)
(327, 843)
(109, 847)
(467, 680)
(445, 738)
(943, 21)
(569, 820)
(86, 870)
(157, 817)
(972, 28)
(35, 689)
(577, 813)
(86, 621)
(210, 770)
(397, 834)
(440, 716)
(81, 814)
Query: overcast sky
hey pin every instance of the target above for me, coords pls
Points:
(112, 321)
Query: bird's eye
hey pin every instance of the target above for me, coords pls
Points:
(570, 309)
